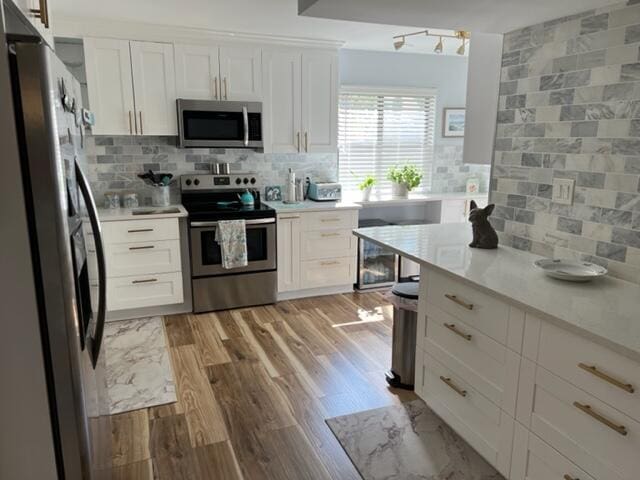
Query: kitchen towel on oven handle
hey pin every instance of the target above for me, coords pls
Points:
(231, 235)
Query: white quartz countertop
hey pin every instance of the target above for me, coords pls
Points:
(141, 213)
(607, 310)
(419, 198)
(310, 205)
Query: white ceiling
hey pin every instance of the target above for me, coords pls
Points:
(489, 16)
(263, 17)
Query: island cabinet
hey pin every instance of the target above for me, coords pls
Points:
(538, 401)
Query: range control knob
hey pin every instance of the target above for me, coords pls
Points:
(188, 182)
(238, 181)
(253, 180)
(196, 182)
(245, 180)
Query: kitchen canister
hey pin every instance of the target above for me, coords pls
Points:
(160, 196)
(111, 200)
(130, 200)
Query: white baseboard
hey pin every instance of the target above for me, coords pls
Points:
(315, 292)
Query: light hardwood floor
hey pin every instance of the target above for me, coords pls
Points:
(254, 388)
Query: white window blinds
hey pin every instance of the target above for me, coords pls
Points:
(378, 130)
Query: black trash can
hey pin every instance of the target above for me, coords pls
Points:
(403, 349)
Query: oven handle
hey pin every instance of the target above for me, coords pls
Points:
(245, 118)
(258, 221)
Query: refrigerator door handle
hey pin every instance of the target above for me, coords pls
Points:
(95, 342)
(245, 120)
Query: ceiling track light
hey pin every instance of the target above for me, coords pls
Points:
(399, 41)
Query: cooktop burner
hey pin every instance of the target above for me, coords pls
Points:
(206, 201)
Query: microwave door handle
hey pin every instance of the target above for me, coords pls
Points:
(95, 343)
(245, 118)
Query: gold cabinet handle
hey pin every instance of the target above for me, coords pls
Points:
(450, 384)
(306, 142)
(326, 264)
(621, 429)
(455, 330)
(139, 230)
(290, 217)
(593, 370)
(146, 247)
(215, 88)
(298, 140)
(130, 126)
(148, 280)
(42, 13)
(333, 219)
(455, 299)
(569, 477)
(325, 235)
(141, 130)
(224, 80)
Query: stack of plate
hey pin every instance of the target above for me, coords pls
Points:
(571, 270)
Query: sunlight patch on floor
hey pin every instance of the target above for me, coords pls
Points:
(365, 316)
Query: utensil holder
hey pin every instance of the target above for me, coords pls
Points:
(160, 196)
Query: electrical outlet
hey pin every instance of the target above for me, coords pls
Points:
(563, 191)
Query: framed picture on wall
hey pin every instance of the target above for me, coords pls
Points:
(453, 122)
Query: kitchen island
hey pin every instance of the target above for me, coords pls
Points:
(534, 373)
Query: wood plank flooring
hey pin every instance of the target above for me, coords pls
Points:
(254, 388)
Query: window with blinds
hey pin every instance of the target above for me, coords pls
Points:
(378, 130)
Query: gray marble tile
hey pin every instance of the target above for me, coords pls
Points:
(594, 24)
(552, 82)
(564, 64)
(407, 442)
(510, 58)
(562, 97)
(138, 368)
(570, 225)
(525, 216)
(632, 34)
(611, 251)
(612, 216)
(623, 236)
(572, 112)
(591, 59)
(584, 129)
(618, 91)
(630, 72)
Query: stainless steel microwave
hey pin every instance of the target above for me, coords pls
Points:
(209, 123)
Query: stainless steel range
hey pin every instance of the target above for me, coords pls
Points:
(208, 199)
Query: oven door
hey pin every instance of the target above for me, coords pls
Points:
(206, 258)
(205, 123)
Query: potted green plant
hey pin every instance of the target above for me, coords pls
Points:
(366, 186)
(404, 179)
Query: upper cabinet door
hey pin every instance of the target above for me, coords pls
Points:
(282, 99)
(197, 72)
(319, 102)
(110, 86)
(154, 88)
(241, 73)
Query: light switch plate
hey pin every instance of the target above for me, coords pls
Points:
(563, 191)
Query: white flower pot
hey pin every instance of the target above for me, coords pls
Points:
(366, 194)
(399, 190)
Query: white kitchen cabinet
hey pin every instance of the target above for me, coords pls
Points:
(282, 100)
(38, 12)
(219, 72)
(241, 73)
(316, 251)
(110, 85)
(131, 87)
(300, 100)
(154, 88)
(288, 252)
(319, 101)
(197, 72)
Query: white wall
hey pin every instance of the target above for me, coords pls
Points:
(446, 73)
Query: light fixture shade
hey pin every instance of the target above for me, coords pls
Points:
(399, 43)
(439, 46)
(461, 49)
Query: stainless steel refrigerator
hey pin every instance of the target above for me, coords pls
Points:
(54, 409)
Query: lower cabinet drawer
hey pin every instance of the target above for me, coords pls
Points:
(327, 244)
(330, 220)
(140, 230)
(487, 428)
(326, 273)
(600, 439)
(533, 459)
(124, 259)
(144, 291)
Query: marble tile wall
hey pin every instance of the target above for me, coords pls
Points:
(450, 174)
(114, 163)
(569, 107)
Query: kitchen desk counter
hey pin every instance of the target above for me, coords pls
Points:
(141, 213)
(606, 310)
(311, 206)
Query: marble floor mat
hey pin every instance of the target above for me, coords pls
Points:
(408, 442)
(138, 367)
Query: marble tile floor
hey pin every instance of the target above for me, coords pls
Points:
(407, 441)
(138, 368)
